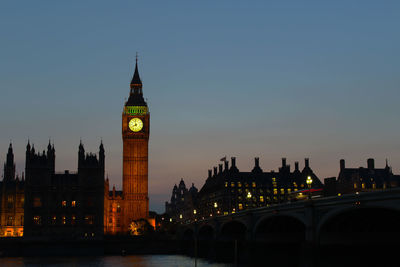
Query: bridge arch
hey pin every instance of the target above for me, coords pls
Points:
(280, 228)
(233, 230)
(336, 212)
(206, 232)
(351, 223)
(187, 233)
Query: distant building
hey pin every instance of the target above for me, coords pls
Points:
(183, 201)
(351, 180)
(227, 190)
(12, 196)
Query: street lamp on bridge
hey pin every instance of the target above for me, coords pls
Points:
(309, 183)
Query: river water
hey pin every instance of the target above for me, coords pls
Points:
(105, 261)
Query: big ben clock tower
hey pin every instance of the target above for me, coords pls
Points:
(135, 136)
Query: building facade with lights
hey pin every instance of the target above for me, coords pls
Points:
(67, 205)
(183, 203)
(361, 179)
(12, 196)
(80, 205)
(228, 190)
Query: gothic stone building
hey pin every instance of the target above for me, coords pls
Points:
(132, 203)
(80, 205)
(183, 202)
(66, 205)
(12, 196)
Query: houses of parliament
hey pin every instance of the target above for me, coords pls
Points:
(45, 204)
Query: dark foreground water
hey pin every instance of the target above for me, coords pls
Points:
(115, 261)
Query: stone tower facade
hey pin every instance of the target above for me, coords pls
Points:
(135, 136)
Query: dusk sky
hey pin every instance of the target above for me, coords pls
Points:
(268, 79)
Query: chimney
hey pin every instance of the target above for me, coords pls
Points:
(257, 162)
(209, 173)
(215, 170)
(226, 165)
(220, 168)
(233, 159)
(296, 165)
(283, 162)
(306, 163)
(371, 164)
(342, 164)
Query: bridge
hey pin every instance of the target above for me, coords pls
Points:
(355, 220)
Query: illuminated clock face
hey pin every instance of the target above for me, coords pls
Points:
(135, 124)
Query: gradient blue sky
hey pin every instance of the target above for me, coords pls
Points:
(272, 79)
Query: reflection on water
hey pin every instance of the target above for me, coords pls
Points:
(115, 261)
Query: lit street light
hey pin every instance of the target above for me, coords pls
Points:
(309, 183)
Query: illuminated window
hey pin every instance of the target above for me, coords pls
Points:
(246, 184)
(275, 191)
(374, 186)
(53, 219)
(302, 185)
(240, 191)
(226, 184)
(37, 220)
(118, 208)
(363, 185)
(282, 191)
(89, 219)
(261, 198)
(239, 184)
(289, 190)
(73, 219)
(63, 220)
(240, 206)
(384, 185)
(232, 184)
(73, 203)
(355, 186)
(254, 184)
(64, 203)
(37, 202)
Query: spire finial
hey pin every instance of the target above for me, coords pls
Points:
(136, 57)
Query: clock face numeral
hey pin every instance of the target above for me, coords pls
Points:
(135, 124)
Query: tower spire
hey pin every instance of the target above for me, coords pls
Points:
(136, 92)
(136, 82)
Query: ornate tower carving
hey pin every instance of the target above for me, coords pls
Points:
(135, 136)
